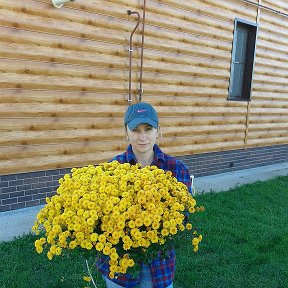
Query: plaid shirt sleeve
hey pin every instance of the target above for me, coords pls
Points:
(168, 163)
(183, 175)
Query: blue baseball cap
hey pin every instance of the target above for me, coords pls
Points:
(140, 113)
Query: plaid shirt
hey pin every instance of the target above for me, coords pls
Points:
(162, 270)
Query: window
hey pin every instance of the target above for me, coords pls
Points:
(242, 64)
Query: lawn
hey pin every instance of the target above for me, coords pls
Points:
(245, 244)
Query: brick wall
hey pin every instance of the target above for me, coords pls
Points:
(31, 189)
(28, 189)
(232, 160)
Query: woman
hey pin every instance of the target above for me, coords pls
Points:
(142, 129)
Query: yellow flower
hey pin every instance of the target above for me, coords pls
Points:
(133, 207)
(147, 221)
(106, 250)
(131, 263)
(164, 232)
(138, 222)
(90, 221)
(72, 245)
(94, 237)
(127, 246)
(195, 241)
(49, 255)
(173, 230)
(114, 256)
(53, 249)
(161, 241)
(113, 268)
(124, 262)
(181, 227)
(86, 214)
(131, 224)
(137, 235)
(80, 212)
(121, 225)
(109, 229)
(58, 251)
(155, 225)
(99, 246)
(191, 210)
(111, 275)
(178, 220)
(88, 245)
(126, 239)
(102, 238)
(87, 278)
(166, 224)
(188, 226)
(115, 234)
(80, 236)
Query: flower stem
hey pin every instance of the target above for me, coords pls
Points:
(90, 275)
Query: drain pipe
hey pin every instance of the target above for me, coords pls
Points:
(142, 52)
(266, 8)
(129, 12)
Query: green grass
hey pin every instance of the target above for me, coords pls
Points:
(245, 239)
(245, 244)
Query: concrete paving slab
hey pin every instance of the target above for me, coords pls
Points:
(18, 222)
(229, 180)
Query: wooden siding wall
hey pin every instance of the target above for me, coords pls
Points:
(269, 106)
(64, 79)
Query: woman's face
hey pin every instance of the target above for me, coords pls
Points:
(142, 138)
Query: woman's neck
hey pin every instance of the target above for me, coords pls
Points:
(145, 159)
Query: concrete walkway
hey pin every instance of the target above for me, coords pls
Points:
(226, 181)
(18, 222)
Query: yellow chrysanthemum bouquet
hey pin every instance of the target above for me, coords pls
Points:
(121, 211)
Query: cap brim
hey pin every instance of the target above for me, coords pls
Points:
(134, 123)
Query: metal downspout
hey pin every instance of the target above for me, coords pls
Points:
(142, 52)
(129, 12)
(265, 7)
(249, 102)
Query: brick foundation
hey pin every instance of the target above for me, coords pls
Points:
(31, 189)
(232, 160)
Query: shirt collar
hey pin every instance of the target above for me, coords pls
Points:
(158, 155)
(130, 157)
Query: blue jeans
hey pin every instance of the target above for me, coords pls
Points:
(145, 280)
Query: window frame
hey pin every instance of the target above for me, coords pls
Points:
(250, 55)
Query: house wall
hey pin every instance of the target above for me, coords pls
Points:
(64, 79)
